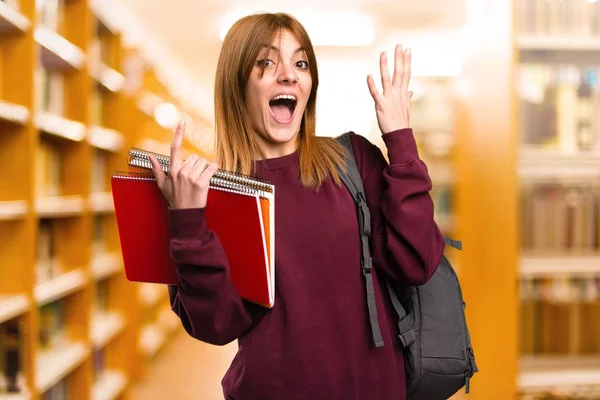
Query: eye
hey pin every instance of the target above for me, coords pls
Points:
(265, 62)
(302, 64)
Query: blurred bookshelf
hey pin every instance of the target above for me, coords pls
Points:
(71, 325)
(558, 45)
(434, 121)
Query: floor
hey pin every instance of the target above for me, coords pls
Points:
(185, 369)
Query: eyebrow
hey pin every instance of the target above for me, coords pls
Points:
(275, 48)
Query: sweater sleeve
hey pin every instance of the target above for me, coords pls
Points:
(407, 244)
(205, 299)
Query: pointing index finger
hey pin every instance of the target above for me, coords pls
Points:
(175, 160)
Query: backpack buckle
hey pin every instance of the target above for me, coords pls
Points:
(407, 338)
(366, 265)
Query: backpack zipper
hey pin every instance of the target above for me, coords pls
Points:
(472, 368)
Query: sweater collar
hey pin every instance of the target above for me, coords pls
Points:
(277, 162)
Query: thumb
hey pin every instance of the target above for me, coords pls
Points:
(159, 174)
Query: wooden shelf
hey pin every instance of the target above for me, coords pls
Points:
(11, 20)
(545, 372)
(61, 127)
(13, 306)
(12, 209)
(105, 327)
(60, 286)
(106, 265)
(147, 103)
(106, 16)
(555, 266)
(55, 364)
(109, 386)
(60, 206)
(152, 338)
(106, 139)
(107, 77)
(552, 278)
(15, 396)
(539, 164)
(101, 202)
(67, 124)
(150, 294)
(558, 43)
(11, 112)
(57, 52)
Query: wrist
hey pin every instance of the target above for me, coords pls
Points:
(401, 146)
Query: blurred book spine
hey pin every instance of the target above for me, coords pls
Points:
(559, 17)
(559, 105)
(559, 315)
(11, 357)
(560, 219)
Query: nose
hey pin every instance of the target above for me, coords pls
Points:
(287, 74)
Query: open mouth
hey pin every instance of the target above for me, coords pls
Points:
(282, 107)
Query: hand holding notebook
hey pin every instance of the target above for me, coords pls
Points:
(186, 185)
(239, 210)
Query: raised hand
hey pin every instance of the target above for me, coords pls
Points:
(392, 106)
(186, 184)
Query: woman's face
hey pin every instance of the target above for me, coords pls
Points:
(277, 100)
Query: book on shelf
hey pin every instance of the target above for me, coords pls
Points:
(559, 18)
(98, 242)
(11, 357)
(49, 90)
(101, 299)
(49, 13)
(560, 105)
(560, 316)
(52, 330)
(56, 392)
(48, 169)
(47, 263)
(240, 211)
(98, 172)
(560, 219)
(98, 356)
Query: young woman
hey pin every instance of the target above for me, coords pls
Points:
(316, 342)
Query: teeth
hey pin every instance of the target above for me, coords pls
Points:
(284, 96)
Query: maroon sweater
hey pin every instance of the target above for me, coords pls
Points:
(316, 342)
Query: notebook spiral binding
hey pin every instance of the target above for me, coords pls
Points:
(142, 176)
(139, 158)
(216, 183)
(222, 179)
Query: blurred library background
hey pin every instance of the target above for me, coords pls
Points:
(504, 112)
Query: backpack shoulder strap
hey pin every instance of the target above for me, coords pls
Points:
(353, 181)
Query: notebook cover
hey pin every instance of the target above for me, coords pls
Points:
(237, 221)
(143, 226)
(142, 221)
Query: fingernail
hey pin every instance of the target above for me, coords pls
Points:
(408, 51)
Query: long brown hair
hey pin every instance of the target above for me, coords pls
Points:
(235, 144)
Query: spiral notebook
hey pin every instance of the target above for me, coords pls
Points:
(240, 211)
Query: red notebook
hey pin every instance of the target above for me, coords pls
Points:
(242, 219)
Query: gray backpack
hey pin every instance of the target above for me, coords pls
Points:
(438, 355)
